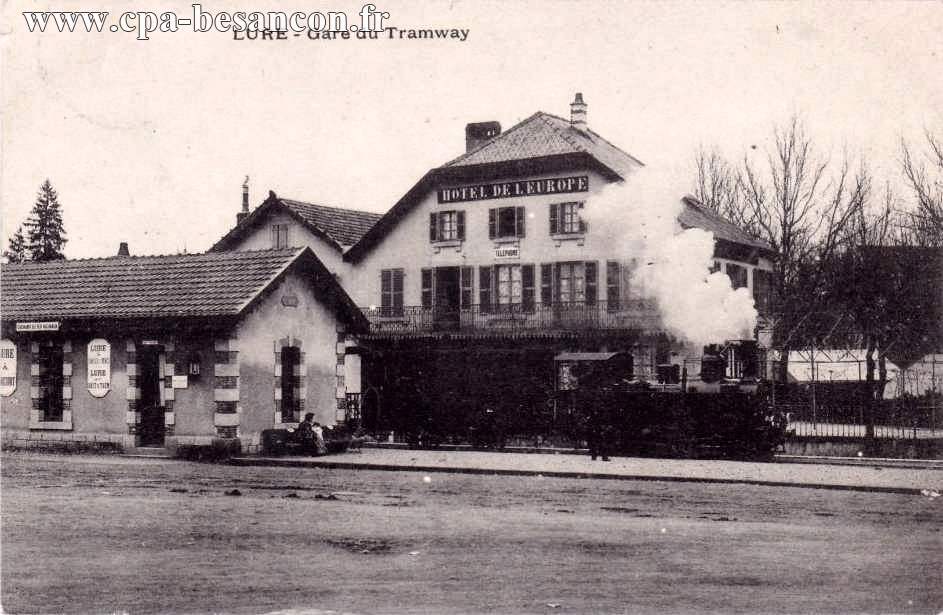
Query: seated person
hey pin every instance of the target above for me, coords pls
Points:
(311, 435)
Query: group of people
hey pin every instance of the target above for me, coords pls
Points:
(311, 435)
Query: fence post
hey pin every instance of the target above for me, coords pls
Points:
(812, 385)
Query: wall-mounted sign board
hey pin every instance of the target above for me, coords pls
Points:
(507, 252)
(507, 190)
(25, 327)
(98, 380)
(7, 367)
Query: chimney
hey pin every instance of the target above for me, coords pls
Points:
(477, 133)
(245, 202)
(578, 112)
(123, 249)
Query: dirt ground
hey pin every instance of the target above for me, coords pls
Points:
(84, 534)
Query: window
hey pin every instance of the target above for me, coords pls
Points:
(506, 222)
(391, 292)
(447, 226)
(613, 286)
(279, 236)
(50, 382)
(762, 290)
(565, 218)
(508, 284)
(291, 381)
(576, 283)
(737, 275)
(571, 283)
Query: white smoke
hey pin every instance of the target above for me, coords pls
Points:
(640, 219)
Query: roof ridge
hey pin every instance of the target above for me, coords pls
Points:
(613, 145)
(561, 133)
(492, 139)
(589, 131)
(348, 209)
(220, 255)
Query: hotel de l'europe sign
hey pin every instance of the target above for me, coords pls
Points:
(507, 190)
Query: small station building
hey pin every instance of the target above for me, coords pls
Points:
(172, 350)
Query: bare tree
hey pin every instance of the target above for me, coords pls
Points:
(858, 287)
(924, 174)
(798, 202)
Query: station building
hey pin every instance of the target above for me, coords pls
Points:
(485, 271)
(171, 350)
(472, 290)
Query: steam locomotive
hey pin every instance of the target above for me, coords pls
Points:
(713, 406)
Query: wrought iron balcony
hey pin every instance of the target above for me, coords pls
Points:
(637, 314)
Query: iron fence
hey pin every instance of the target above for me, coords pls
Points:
(831, 397)
(576, 316)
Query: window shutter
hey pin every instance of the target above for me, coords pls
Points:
(433, 227)
(484, 289)
(466, 274)
(460, 225)
(591, 283)
(527, 287)
(582, 222)
(398, 292)
(386, 292)
(519, 221)
(613, 288)
(426, 297)
(492, 223)
(554, 216)
(546, 284)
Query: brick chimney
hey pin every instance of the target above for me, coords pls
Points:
(477, 133)
(245, 202)
(578, 112)
(123, 249)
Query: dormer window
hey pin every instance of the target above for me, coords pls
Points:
(565, 218)
(280, 236)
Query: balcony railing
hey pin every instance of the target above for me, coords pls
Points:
(602, 315)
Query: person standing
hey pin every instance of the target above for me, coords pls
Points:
(319, 444)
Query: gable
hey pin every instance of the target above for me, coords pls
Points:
(336, 227)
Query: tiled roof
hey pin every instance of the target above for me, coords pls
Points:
(696, 215)
(344, 226)
(215, 284)
(341, 228)
(540, 136)
(543, 134)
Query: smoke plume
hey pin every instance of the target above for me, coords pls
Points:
(640, 219)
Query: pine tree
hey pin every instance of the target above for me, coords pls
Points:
(17, 252)
(45, 234)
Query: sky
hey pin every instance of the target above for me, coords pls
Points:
(148, 142)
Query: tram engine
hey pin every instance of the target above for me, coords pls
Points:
(711, 406)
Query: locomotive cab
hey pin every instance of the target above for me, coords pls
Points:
(574, 368)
